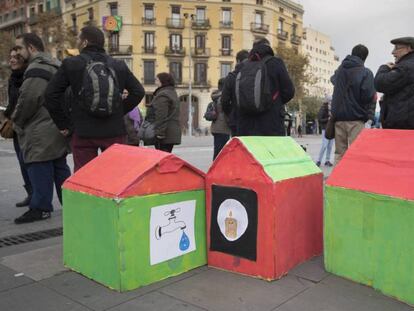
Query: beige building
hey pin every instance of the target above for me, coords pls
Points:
(322, 61)
(196, 41)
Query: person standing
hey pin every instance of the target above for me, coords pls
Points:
(97, 113)
(353, 100)
(17, 66)
(164, 112)
(43, 146)
(219, 127)
(396, 81)
(323, 117)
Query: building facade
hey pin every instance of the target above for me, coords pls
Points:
(322, 61)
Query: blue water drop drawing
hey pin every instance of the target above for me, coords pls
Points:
(184, 242)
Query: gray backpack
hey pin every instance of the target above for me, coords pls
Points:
(100, 95)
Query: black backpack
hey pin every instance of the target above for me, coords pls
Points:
(253, 94)
(100, 95)
(211, 112)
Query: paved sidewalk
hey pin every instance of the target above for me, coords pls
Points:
(33, 278)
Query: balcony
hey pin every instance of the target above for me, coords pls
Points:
(120, 49)
(149, 50)
(282, 35)
(175, 23)
(295, 39)
(12, 21)
(200, 24)
(226, 24)
(200, 52)
(149, 80)
(259, 28)
(148, 21)
(174, 51)
(226, 52)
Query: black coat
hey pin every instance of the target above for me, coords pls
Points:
(271, 122)
(354, 95)
(85, 125)
(397, 84)
(323, 115)
(15, 82)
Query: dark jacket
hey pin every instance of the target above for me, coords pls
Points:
(397, 84)
(39, 138)
(85, 125)
(15, 82)
(269, 123)
(354, 95)
(220, 125)
(164, 111)
(323, 115)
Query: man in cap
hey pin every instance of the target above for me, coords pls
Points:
(396, 81)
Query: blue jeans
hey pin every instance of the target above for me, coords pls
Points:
(42, 176)
(219, 141)
(23, 168)
(326, 145)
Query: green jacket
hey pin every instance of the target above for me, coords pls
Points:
(164, 111)
(39, 138)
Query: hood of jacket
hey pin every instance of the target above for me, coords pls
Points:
(352, 61)
(262, 50)
(44, 58)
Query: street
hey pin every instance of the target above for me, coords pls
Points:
(32, 276)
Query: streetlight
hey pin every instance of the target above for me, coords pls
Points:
(190, 68)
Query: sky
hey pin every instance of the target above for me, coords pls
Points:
(370, 22)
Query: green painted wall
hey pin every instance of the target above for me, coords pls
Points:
(369, 238)
(109, 241)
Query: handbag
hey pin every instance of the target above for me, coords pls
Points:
(6, 127)
(146, 133)
(330, 128)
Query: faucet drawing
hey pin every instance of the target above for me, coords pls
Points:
(172, 225)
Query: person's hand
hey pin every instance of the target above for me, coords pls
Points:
(65, 132)
(390, 65)
(368, 124)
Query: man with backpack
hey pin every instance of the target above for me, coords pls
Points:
(353, 100)
(97, 82)
(43, 147)
(262, 89)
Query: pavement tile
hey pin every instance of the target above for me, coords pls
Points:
(37, 264)
(8, 280)
(156, 301)
(312, 270)
(35, 297)
(97, 296)
(338, 294)
(220, 290)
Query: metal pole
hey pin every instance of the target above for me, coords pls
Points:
(190, 68)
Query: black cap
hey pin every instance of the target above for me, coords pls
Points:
(404, 40)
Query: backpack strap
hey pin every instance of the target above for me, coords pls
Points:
(38, 73)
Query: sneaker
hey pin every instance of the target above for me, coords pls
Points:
(327, 163)
(25, 202)
(32, 215)
(318, 163)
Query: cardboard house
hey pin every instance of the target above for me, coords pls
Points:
(264, 207)
(134, 216)
(369, 213)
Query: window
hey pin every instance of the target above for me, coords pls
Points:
(90, 14)
(6, 17)
(113, 8)
(226, 0)
(113, 42)
(281, 10)
(259, 2)
(200, 42)
(74, 25)
(200, 73)
(226, 45)
(225, 69)
(40, 8)
(200, 14)
(149, 71)
(258, 19)
(280, 25)
(176, 71)
(149, 12)
(149, 42)
(294, 16)
(1, 19)
(175, 42)
(32, 11)
(14, 14)
(22, 12)
(294, 28)
(175, 16)
(226, 17)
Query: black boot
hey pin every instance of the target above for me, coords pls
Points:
(26, 201)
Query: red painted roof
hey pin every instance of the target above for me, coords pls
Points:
(123, 171)
(379, 161)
